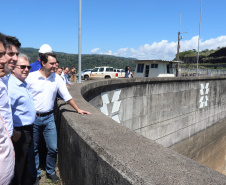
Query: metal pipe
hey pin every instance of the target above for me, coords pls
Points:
(199, 39)
(79, 41)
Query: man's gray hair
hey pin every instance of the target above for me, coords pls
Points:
(24, 56)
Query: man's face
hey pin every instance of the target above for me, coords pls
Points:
(57, 66)
(21, 70)
(11, 57)
(59, 71)
(3, 60)
(66, 71)
(50, 66)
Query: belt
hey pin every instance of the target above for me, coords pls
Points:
(44, 114)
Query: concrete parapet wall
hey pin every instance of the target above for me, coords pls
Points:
(95, 149)
(165, 110)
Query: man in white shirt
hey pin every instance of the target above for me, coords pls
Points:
(44, 86)
(7, 161)
(12, 45)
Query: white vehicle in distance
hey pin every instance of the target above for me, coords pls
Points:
(85, 74)
(104, 72)
(121, 72)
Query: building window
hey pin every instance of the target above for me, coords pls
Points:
(154, 65)
(140, 68)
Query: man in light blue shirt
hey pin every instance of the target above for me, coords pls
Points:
(24, 114)
(64, 76)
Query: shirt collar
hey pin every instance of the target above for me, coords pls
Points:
(17, 81)
(40, 75)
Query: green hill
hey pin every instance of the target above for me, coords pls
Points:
(207, 58)
(89, 61)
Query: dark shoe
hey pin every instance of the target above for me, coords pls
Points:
(35, 180)
(53, 178)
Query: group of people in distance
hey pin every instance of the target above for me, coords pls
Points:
(27, 95)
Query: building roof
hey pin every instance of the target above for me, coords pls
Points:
(156, 61)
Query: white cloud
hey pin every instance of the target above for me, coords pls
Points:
(95, 50)
(167, 50)
(121, 52)
(108, 52)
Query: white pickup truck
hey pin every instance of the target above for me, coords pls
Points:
(106, 72)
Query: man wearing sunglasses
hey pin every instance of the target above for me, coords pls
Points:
(44, 86)
(24, 114)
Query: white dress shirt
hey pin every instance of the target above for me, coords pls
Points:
(44, 90)
(7, 155)
(5, 108)
(65, 79)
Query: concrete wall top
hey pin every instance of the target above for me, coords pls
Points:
(138, 159)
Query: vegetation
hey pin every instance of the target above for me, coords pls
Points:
(88, 61)
(211, 59)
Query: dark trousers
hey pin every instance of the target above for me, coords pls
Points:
(21, 154)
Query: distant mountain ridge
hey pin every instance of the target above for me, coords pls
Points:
(89, 61)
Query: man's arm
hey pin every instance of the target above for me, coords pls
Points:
(74, 105)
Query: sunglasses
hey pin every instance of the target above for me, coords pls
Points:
(24, 66)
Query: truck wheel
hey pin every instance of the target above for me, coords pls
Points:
(86, 78)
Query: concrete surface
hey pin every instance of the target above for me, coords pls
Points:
(95, 149)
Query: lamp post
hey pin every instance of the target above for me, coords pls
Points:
(79, 41)
(199, 39)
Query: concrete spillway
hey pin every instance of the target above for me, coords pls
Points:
(183, 114)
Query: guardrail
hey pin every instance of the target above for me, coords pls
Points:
(201, 72)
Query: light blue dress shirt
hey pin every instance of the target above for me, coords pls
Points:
(22, 104)
(65, 79)
(5, 109)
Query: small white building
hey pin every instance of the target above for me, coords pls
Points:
(155, 68)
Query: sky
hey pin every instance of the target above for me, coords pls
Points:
(142, 29)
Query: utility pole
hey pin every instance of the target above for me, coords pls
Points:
(178, 51)
(178, 47)
(79, 41)
(197, 70)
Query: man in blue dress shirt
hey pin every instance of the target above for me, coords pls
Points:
(24, 114)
